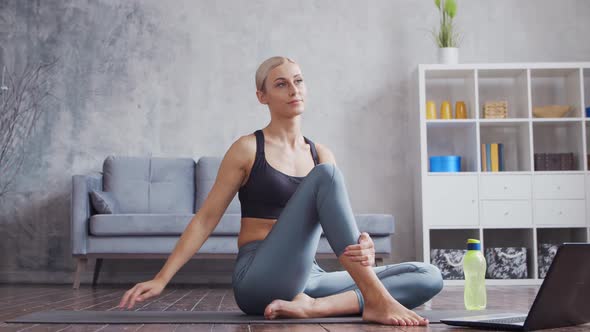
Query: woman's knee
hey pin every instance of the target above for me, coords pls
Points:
(432, 283)
(326, 174)
(323, 170)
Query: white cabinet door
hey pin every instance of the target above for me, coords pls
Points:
(450, 200)
(563, 186)
(514, 213)
(560, 212)
(505, 186)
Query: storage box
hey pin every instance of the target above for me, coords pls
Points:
(506, 263)
(495, 109)
(449, 261)
(545, 254)
(445, 163)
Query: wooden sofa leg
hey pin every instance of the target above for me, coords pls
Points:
(97, 267)
(80, 266)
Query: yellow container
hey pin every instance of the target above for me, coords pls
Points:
(430, 110)
(445, 110)
(460, 110)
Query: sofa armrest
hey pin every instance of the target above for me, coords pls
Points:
(81, 209)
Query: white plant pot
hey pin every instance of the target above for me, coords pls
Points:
(448, 55)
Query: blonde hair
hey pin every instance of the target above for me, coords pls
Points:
(265, 68)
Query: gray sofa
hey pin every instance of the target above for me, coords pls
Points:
(157, 198)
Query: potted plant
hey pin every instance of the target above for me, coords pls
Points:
(446, 38)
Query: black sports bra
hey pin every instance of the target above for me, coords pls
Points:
(267, 190)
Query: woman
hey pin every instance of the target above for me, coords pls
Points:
(283, 216)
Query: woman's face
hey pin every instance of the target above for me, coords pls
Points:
(285, 90)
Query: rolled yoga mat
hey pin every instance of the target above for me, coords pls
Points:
(208, 317)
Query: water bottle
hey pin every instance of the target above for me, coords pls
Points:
(474, 269)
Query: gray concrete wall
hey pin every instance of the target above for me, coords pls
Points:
(176, 78)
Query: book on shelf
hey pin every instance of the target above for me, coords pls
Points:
(554, 161)
(484, 158)
(501, 156)
(492, 157)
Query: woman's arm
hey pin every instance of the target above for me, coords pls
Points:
(363, 252)
(227, 183)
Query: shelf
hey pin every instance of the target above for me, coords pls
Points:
(558, 120)
(493, 122)
(561, 234)
(452, 227)
(515, 138)
(456, 238)
(506, 173)
(443, 141)
(512, 237)
(549, 238)
(449, 73)
(560, 137)
(451, 86)
(437, 67)
(519, 207)
(453, 123)
(451, 173)
(559, 86)
(452, 239)
(447, 248)
(504, 84)
(557, 172)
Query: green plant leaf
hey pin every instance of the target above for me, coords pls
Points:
(446, 36)
(451, 8)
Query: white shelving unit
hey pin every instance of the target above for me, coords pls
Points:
(518, 207)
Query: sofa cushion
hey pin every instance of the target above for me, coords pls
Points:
(213, 245)
(151, 184)
(104, 202)
(155, 224)
(206, 173)
(174, 224)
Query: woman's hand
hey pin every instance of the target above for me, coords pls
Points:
(141, 292)
(363, 252)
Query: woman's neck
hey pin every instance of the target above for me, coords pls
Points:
(287, 135)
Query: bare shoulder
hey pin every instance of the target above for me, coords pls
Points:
(231, 173)
(242, 150)
(324, 154)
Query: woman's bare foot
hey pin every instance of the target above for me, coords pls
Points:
(390, 312)
(300, 307)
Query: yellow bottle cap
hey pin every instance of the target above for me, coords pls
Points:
(472, 241)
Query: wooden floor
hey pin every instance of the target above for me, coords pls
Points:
(16, 300)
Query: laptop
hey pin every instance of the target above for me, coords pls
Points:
(563, 298)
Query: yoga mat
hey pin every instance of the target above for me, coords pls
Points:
(207, 317)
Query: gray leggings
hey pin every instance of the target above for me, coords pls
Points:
(283, 264)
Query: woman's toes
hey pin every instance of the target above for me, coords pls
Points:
(271, 310)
